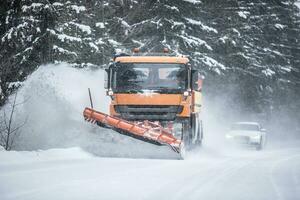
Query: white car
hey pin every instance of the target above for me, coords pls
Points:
(248, 133)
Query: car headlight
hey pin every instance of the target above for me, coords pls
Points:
(256, 137)
(229, 136)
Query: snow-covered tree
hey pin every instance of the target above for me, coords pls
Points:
(24, 40)
(250, 47)
(74, 33)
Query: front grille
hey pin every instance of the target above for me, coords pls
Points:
(148, 112)
(242, 139)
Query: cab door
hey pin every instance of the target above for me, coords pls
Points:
(197, 80)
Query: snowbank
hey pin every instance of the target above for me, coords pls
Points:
(22, 157)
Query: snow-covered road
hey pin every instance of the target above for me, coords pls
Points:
(207, 174)
(214, 172)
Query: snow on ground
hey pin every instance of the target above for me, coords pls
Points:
(207, 174)
(25, 157)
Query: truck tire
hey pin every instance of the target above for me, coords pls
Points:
(199, 140)
(197, 130)
(187, 134)
(192, 132)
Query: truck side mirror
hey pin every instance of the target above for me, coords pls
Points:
(197, 81)
(200, 79)
(200, 83)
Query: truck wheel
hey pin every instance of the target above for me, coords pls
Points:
(192, 132)
(186, 136)
(182, 154)
(200, 134)
(197, 130)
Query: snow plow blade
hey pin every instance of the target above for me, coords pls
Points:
(146, 131)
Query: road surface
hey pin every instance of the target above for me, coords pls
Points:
(207, 174)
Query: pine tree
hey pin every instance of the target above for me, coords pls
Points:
(24, 41)
(247, 49)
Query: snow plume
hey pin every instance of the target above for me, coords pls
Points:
(219, 111)
(54, 97)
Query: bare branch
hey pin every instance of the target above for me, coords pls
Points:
(10, 132)
(2, 138)
(5, 122)
(20, 126)
(22, 102)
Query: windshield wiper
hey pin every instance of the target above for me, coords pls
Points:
(158, 88)
(129, 90)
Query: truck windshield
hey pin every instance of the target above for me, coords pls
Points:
(136, 77)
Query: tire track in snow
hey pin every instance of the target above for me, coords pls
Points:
(294, 189)
(195, 190)
(188, 182)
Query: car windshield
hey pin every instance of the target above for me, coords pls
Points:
(246, 127)
(149, 76)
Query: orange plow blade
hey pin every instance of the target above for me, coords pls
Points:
(145, 131)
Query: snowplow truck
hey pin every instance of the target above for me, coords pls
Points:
(154, 98)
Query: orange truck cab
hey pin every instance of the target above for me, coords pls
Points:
(162, 88)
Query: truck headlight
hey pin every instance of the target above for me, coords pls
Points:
(186, 94)
(110, 93)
